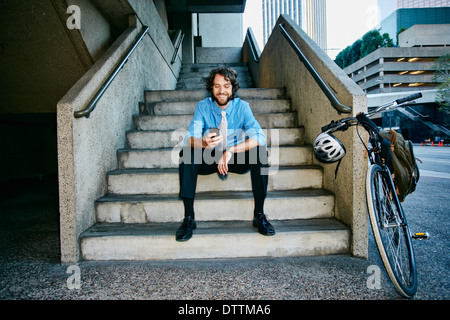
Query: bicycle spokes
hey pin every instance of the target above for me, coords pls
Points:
(391, 231)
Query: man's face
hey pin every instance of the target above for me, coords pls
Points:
(222, 91)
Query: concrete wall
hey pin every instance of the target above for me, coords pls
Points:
(87, 146)
(280, 67)
(221, 30)
(184, 21)
(95, 28)
(41, 60)
(218, 55)
(425, 35)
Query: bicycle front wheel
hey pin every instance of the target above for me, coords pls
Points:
(391, 230)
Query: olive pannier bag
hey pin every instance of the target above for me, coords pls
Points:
(405, 169)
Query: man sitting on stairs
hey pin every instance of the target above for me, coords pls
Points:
(216, 143)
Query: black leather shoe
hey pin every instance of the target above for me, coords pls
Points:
(184, 232)
(264, 226)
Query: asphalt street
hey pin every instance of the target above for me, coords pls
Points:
(30, 268)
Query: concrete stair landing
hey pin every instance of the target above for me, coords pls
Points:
(139, 216)
(214, 239)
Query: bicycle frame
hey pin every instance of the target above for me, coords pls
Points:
(386, 213)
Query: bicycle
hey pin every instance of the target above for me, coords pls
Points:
(388, 220)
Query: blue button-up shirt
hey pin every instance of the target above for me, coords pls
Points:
(241, 122)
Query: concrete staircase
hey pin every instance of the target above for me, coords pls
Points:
(193, 75)
(139, 216)
(416, 116)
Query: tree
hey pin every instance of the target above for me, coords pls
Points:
(442, 76)
(386, 41)
(355, 51)
(443, 96)
(339, 60)
(342, 59)
(371, 41)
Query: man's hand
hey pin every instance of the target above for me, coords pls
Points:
(212, 140)
(223, 162)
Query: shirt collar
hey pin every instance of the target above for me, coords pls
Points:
(218, 110)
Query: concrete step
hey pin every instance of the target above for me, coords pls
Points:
(207, 67)
(204, 71)
(181, 122)
(169, 157)
(195, 85)
(194, 76)
(171, 138)
(200, 94)
(188, 107)
(200, 77)
(166, 181)
(213, 239)
(203, 74)
(215, 206)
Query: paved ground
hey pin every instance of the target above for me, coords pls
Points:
(30, 268)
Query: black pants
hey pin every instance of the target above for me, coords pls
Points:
(204, 161)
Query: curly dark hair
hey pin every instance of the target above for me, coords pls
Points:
(229, 75)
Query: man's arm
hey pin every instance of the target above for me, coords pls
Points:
(256, 138)
(244, 146)
(210, 141)
(241, 147)
(252, 128)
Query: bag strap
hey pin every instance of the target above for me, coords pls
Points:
(393, 138)
(337, 168)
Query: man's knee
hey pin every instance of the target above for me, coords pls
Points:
(258, 156)
(198, 156)
(190, 156)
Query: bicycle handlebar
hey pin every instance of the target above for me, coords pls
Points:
(343, 124)
(331, 125)
(409, 98)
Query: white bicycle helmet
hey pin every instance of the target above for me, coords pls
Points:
(328, 148)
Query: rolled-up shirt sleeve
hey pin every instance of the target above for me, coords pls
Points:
(197, 125)
(252, 127)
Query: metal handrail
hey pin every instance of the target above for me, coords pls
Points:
(177, 48)
(91, 106)
(252, 46)
(418, 113)
(334, 101)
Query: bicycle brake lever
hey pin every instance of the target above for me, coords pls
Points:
(329, 126)
(345, 127)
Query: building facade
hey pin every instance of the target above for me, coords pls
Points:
(271, 9)
(386, 7)
(397, 69)
(316, 21)
(308, 14)
(404, 18)
(391, 73)
(422, 3)
(421, 36)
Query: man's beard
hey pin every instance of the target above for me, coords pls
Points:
(219, 103)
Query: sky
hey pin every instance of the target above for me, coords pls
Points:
(347, 21)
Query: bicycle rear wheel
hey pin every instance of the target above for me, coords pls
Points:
(391, 230)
